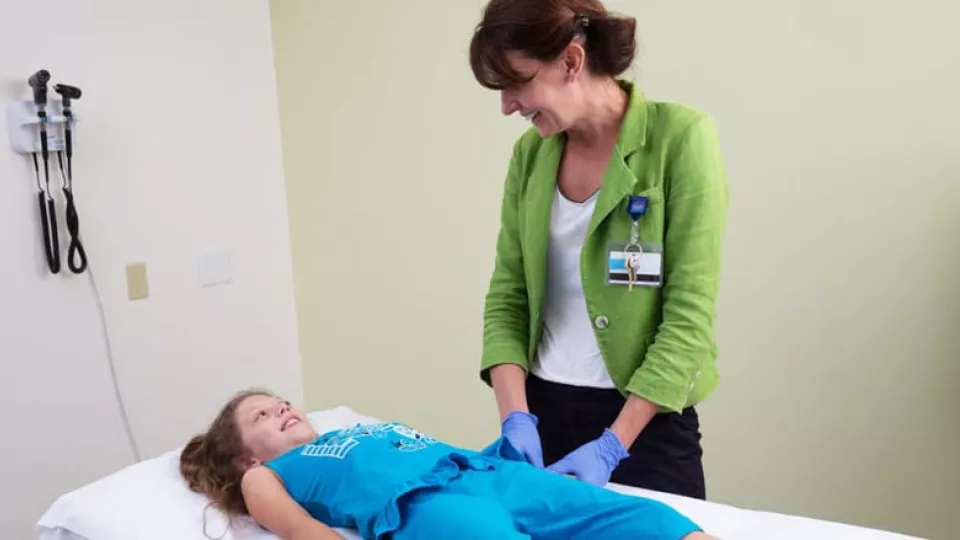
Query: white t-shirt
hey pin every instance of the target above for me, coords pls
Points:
(568, 352)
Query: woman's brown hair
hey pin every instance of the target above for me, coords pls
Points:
(210, 463)
(542, 29)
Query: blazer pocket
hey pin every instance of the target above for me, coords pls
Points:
(651, 225)
(653, 194)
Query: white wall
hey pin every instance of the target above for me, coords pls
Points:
(839, 122)
(178, 152)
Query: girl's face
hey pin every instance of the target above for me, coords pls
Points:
(269, 427)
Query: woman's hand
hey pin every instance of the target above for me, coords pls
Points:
(520, 428)
(595, 461)
(516, 423)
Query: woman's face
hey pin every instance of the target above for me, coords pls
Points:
(269, 427)
(548, 100)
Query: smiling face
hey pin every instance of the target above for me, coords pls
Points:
(551, 97)
(269, 427)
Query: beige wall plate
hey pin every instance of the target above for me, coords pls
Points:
(137, 287)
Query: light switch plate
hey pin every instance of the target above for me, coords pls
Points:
(215, 268)
(137, 287)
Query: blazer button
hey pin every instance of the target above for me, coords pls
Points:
(601, 321)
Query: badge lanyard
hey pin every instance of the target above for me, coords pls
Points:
(636, 208)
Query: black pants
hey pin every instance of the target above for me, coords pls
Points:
(666, 457)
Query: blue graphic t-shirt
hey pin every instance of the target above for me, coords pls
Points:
(352, 478)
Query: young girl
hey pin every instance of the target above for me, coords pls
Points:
(262, 457)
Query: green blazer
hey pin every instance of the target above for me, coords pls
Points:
(657, 343)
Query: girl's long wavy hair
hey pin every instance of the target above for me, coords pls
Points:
(210, 463)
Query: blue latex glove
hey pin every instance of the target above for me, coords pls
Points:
(520, 428)
(595, 461)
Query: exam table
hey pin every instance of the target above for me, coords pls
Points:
(150, 501)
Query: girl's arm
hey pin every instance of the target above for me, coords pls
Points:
(273, 508)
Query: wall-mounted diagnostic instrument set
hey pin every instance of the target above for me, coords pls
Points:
(42, 129)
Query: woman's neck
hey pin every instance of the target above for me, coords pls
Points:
(606, 104)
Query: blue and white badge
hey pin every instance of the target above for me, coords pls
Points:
(633, 267)
(632, 264)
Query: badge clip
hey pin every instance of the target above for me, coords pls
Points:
(636, 208)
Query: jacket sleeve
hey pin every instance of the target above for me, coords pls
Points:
(506, 310)
(697, 197)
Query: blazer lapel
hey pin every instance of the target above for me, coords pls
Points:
(618, 183)
(619, 180)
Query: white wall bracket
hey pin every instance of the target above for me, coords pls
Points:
(23, 122)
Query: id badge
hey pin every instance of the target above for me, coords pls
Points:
(635, 267)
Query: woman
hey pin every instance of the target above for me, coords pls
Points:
(262, 457)
(599, 319)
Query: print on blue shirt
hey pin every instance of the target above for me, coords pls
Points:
(339, 443)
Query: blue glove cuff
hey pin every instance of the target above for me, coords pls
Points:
(519, 417)
(612, 448)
